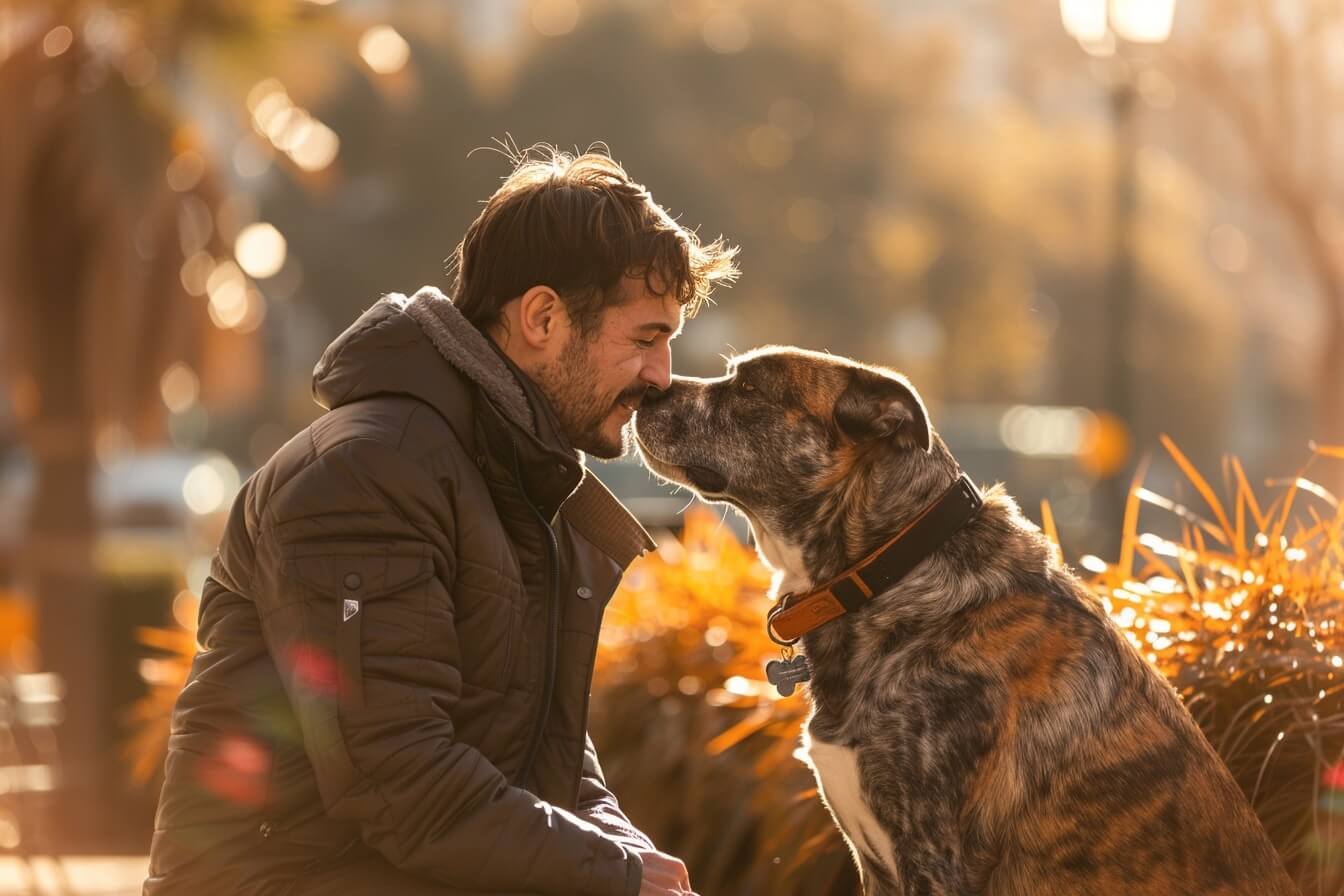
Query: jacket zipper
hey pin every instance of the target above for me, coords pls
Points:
(552, 624)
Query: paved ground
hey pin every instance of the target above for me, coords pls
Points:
(86, 876)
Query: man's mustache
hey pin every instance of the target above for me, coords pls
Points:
(633, 396)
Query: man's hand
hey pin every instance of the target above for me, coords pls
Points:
(664, 875)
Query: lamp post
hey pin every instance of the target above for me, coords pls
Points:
(1115, 30)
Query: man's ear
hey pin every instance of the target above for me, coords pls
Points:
(877, 405)
(541, 317)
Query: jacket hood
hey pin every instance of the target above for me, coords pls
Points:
(399, 346)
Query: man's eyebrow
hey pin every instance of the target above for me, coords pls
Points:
(657, 326)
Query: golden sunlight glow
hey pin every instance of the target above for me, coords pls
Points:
(179, 387)
(203, 490)
(185, 606)
(310, 143)
(1085, 20)
(385, 51)
(292, 130)
(555, 17)
(1047, 431)
(196, 272)
(260, 250)
(185, 170)
(1143, 21)
(318, 148)
(227, 286)
(228, 307)
(268, 112)
(210, 485)
(254, 312)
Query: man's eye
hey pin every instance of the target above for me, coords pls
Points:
(644, 343)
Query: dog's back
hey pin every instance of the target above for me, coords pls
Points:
(1094, 779)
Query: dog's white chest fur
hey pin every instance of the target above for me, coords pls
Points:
(837, 771)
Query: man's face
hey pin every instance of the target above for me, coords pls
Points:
(597, 380)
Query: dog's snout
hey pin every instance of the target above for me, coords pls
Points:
(654, 396)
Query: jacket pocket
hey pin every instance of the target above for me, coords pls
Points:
(353, 580)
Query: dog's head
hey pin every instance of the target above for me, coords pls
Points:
(820, 453)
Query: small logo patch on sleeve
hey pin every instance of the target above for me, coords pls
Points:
(348, 609)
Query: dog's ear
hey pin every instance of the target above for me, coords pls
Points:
(879, 405)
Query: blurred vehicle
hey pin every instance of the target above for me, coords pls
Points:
(155, 511)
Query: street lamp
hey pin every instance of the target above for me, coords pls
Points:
(1096, 24)
(1114, 29)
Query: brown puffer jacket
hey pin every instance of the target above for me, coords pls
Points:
(398, 636)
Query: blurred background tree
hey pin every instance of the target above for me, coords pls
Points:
(1268, 69)
(112, 218)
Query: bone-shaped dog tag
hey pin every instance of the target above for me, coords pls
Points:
(786, 675)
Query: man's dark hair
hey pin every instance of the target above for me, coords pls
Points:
(578, 225)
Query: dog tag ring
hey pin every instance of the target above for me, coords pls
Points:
(787, 674)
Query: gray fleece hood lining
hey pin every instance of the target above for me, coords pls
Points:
(467, 349)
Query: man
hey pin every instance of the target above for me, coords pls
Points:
(398, 632)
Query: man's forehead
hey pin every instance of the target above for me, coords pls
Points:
(646, 310)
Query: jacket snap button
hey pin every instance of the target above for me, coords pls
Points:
(585, 592)
(353, 581)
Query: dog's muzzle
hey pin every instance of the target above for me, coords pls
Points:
(706, 480)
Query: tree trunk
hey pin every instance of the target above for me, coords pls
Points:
(58, 560)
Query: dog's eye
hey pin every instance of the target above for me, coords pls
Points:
(746, 386)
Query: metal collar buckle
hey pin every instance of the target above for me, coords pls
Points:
(780, 606)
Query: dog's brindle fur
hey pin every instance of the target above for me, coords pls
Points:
(981, 727)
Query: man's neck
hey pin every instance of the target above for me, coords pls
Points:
(548, 427)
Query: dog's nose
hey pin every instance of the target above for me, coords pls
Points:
(654, 395)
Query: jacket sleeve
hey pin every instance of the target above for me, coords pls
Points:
(354, 560)
(598, 804)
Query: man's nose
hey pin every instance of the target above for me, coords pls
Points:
(658, 372)
(655, 395)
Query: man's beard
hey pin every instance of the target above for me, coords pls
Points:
(571, 385)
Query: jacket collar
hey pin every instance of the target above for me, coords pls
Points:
(469, 350)
(586, 504)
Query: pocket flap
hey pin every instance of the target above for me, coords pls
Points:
(362, 571)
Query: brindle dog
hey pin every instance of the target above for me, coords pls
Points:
(982, 726)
